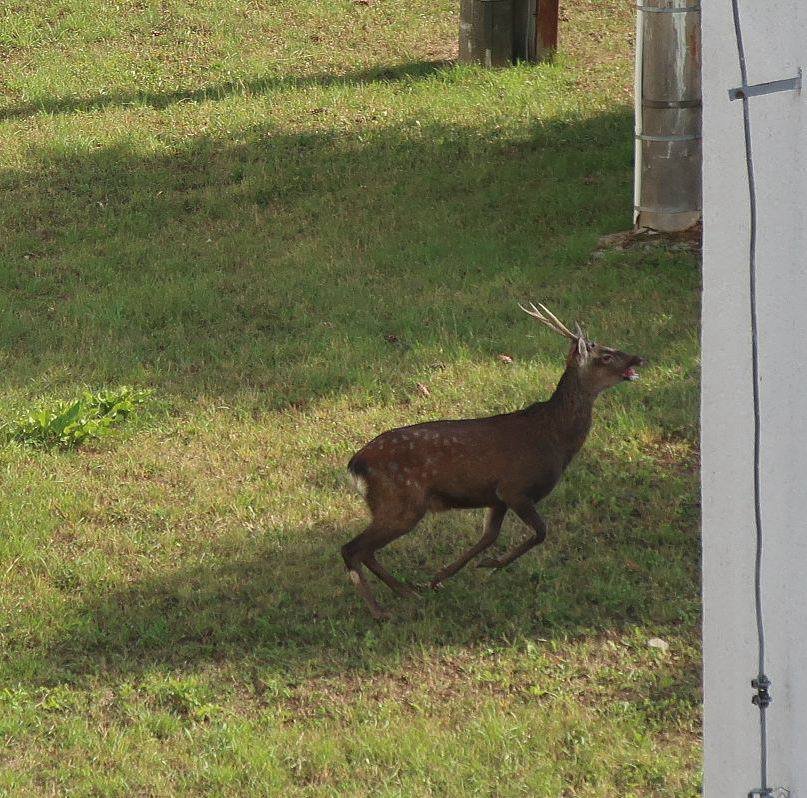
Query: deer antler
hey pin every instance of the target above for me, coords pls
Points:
(548, 318)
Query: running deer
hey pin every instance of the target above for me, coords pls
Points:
(505, 462)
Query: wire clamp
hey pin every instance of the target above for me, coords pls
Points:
(770, 792)
(788, 84)
(763, 697)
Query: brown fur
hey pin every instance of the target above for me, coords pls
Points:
(505, 462)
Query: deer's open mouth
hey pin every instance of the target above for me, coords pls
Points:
(630, 372)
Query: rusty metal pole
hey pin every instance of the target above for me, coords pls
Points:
(667, 185)
(546, 29)
(535, 30)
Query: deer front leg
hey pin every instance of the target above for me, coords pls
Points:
(525, 510)
(490, 531)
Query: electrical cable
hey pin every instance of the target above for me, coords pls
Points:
(761, 683)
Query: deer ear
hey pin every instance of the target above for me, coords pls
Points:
(579, 351)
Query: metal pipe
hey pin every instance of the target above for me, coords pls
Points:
(667, 185)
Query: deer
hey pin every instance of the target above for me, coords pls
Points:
(505, 462)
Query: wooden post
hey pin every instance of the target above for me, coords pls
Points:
(486, 32)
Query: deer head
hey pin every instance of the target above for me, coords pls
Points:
(598, 367)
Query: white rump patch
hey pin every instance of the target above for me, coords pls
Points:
(360, 484)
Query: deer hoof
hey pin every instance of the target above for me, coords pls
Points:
(436, 584)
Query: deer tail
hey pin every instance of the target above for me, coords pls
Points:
(359, 470)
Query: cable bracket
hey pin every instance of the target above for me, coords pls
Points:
(788, 84)
(763, 698)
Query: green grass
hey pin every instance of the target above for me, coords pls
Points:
(279, 218)
(77, 422)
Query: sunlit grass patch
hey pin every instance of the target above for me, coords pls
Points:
(286, 220)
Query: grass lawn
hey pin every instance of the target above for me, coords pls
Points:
(281, 217)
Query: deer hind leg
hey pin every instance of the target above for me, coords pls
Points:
(353, 554)
(525, 510)
(490, 531)
(388, 579)
(361, 551)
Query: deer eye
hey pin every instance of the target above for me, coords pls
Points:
(606, 358)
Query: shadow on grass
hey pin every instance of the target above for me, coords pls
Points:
(289, 267)
(217, 91)
(287, 604)
(293, 266)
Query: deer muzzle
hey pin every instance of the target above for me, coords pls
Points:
(630, 372)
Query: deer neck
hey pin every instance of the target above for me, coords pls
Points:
(571, 407)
